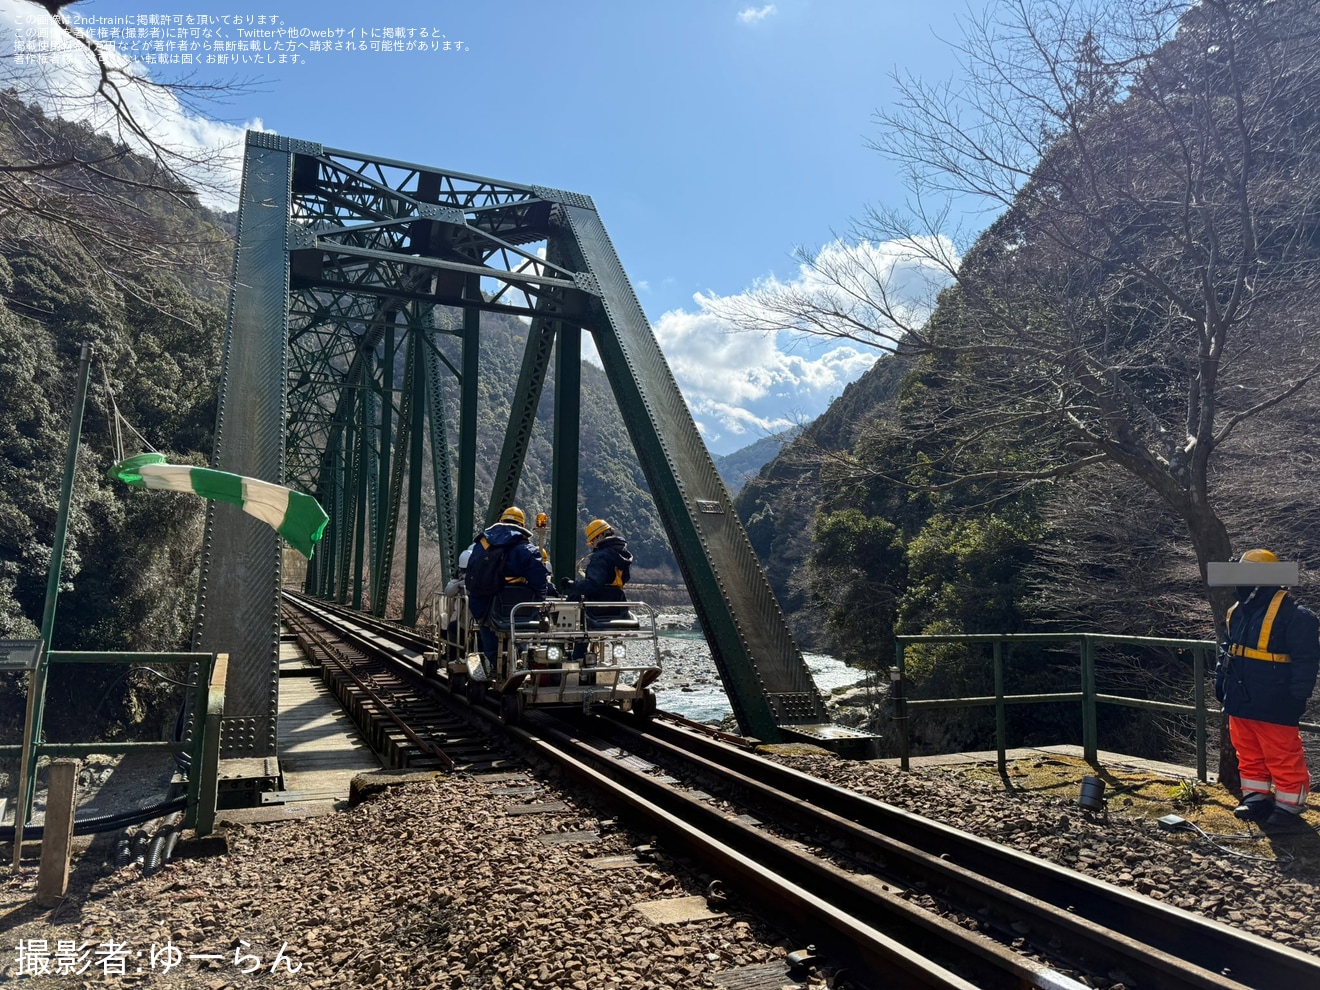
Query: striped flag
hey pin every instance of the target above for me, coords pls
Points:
(297, 517)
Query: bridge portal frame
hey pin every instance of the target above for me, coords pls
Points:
(348, 266)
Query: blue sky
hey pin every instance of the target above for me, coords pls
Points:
(714, 136)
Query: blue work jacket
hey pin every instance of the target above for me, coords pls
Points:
(1268, 681)
(524, 566)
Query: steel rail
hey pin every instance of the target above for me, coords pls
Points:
(386, 710)
(403, 635)
(1234, 957)
(926, 849)
(869, 949)
(1091, 947)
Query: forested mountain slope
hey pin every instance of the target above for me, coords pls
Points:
(1119, 385)
(610, 481)
(779, 506)
(744, 464)
(111, 253)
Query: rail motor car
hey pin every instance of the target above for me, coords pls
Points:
(555, 653)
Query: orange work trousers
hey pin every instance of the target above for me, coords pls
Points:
(1270, 754)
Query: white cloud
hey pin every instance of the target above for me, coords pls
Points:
(53, 70)
(742, 384)
(755, 15)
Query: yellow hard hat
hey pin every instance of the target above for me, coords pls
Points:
(515, 515)
(596, 528)
(1259, 557)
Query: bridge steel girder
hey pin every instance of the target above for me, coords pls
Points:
(767, 680)
(566, 452)
(442, 480)
(522, 416)
(389, 534)
(467, 417)
(238, 590)
(332, 245)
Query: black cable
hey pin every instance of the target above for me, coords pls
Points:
(105, 824)
(150, 670)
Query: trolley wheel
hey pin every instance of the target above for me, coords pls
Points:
(512, 706)
(476, 692)
(645, 706)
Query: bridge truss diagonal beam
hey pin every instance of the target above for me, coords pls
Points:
(766, 678)
(351, 274)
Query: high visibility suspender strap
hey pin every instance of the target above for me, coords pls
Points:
(1267, 626)
(1261, 652)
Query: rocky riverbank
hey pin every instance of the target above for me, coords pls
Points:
(691, 686)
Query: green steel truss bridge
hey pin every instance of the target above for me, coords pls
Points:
(349, 271)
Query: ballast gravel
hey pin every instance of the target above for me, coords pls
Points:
(1268, 886)
(456, 882)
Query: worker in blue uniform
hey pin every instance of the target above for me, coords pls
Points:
(519, 576)
(608, 566)
(1266, 673)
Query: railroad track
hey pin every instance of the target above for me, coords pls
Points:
(375, 672)
(899, 900)
(873, 860)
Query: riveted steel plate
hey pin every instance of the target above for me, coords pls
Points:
(794, 706)
(445, 214)
(239, 584)
(278, 142)
(563, 196)
(300, 238)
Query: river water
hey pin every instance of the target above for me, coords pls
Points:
(690, 685)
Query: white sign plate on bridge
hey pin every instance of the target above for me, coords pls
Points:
(19, 654)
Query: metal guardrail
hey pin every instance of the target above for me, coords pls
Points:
(204, 783)
(1088, 696)
(208, 691)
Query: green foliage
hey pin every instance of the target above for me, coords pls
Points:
(741, 465)
(967, 573)
(945, 670)
(858, 570)
(131, 559)
(1186, 793)
(813, 475)
(1140, 291)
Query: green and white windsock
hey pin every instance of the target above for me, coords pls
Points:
(297, 517)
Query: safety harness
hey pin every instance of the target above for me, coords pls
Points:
(1266, 627)
(508, 578)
